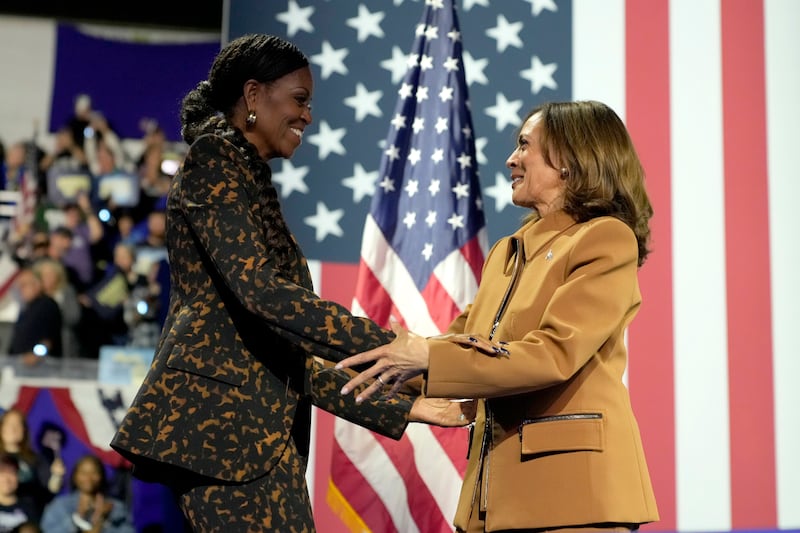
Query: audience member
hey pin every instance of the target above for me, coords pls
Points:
(87, 507)
(13, 167)
(56, 285)
(37, 330)
(14, 510)
(87, 231)
(143, 311)
(102, 316)
(39, 479)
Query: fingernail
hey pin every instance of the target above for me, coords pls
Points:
(502, 342)
(473, 339)
(505, 351)
(338, 366)
(344, 390)
(359, 399)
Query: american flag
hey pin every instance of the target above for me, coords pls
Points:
(708, 90)
(421, 254)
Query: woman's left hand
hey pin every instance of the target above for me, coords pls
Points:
(395, 363)
(443, 412)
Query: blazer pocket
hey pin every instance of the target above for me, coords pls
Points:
(563, 433)
(215, 355)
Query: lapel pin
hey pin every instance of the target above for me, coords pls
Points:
(549, 255)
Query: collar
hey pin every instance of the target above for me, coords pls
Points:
(537, 234)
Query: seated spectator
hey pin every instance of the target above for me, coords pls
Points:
(14, 509)
(56, 285)
(87, 507)
(38, 479)
(37, 330)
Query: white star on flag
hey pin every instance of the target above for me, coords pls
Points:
(473, 69)
(325, 222)
(296, 18)
(540, 75)
(330, 60)
(328, 141)
(362, 182)
(367, 24)
(504, 112)
(537, 6)
(500, 191)
(364, 102)
(291, 179)
(396, 64)
(505, 34)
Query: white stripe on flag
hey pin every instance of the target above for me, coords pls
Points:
(782, 48)
(371, 460)
(455, 275)
(698, 194)
(439, 474)
(598, 65)
(391, 272)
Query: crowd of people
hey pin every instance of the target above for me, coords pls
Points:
(91, 246)
(34, 497)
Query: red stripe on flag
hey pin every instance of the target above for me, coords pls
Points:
(455, 442)
(421, 503)
(752, 429)
(474, 256)
(440, 306)
(338, 281)
(650, 337)
(348, 480)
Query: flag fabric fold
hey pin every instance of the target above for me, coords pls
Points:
(422, 250)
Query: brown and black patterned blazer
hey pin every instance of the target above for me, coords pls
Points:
(234, 366)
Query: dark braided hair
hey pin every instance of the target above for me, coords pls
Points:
(263, 58)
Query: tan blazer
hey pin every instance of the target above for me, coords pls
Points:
(556, 443)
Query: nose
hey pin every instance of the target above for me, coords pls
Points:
(511, 162)
(306, 115)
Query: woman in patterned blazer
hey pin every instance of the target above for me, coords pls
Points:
(555, 443)
(223, 415)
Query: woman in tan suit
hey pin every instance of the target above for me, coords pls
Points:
(555, 444)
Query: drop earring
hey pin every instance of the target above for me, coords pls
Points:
(251, 118)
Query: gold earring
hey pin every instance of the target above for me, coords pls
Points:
(564, 173)
(251, 118)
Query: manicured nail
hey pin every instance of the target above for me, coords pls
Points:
(344, 391)
(338, 366)
(359, 399)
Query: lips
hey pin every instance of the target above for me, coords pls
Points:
(515, 179)
(298, 132)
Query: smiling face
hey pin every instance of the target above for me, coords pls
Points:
(87, 476)
(283, 110)
(535, 184)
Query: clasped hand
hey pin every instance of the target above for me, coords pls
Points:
(395, 363)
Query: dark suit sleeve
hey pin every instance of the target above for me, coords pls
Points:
(387, 416)
(217, 202)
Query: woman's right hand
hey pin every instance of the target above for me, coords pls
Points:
(395, 363)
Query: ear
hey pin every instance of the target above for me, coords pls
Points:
(250, 92)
